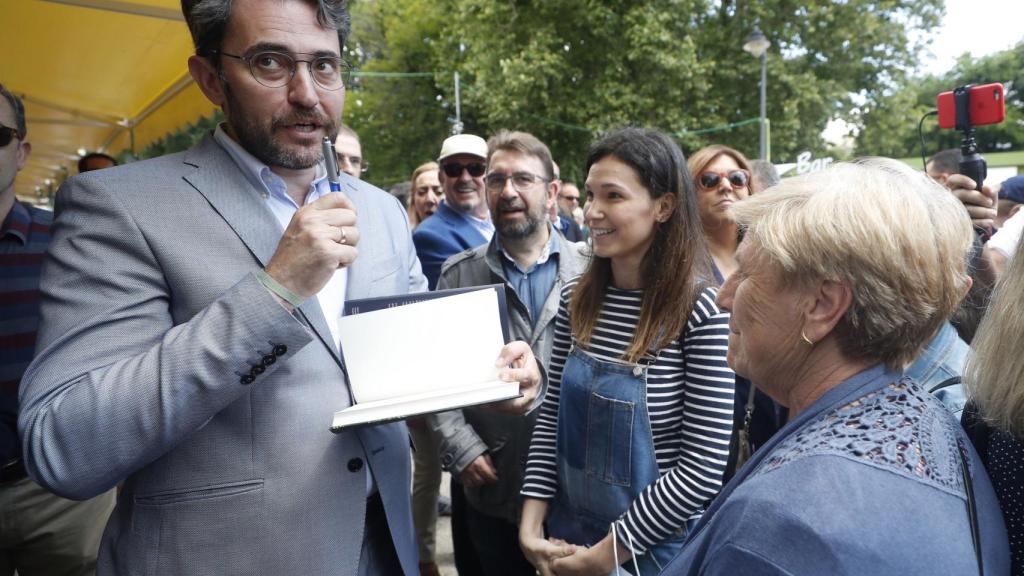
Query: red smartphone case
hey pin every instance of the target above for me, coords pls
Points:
(987, 106)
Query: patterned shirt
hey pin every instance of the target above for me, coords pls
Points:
(24, 236)
(689, 401)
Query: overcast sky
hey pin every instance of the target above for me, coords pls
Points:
(977, 26)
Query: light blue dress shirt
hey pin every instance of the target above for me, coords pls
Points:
(533, 284)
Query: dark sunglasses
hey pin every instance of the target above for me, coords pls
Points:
(453, 170)
(8, 134)
(738, 178)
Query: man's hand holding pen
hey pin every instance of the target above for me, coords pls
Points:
(320, 238)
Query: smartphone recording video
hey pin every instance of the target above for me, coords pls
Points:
(987, 106)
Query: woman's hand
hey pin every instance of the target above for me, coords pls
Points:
(598, 559)
(543, 553)
(539, 551)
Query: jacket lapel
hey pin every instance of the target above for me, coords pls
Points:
(221, 182)
(357, 285)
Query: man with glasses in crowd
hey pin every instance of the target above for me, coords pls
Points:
(485, 451)
(40, 532)
(562, 219)
(461, 221)
(189, 341)
(349, 152)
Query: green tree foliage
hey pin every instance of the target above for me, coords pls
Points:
(400, 120)
(889, 127)
(570, 70)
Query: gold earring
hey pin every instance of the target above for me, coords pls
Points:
(806, 339)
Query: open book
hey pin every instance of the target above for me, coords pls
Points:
(422, 353)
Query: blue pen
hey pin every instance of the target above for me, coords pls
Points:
(331, 163)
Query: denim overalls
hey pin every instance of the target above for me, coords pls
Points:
(605, 454)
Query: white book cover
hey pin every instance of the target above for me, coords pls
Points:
(424, 357)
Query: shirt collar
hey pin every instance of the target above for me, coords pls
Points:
(17, 222)
(259, 174)
(550, 248)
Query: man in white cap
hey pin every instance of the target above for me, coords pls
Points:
(462, 221)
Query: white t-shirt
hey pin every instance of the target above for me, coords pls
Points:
(1007, 238)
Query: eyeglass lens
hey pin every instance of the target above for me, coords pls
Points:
(737, 178)
(276, 69)
(521, 181)
(454, 170)
(7, 135)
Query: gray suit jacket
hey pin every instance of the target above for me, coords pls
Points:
(468, 433)
(151, 315)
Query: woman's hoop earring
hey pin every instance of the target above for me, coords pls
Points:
(806, 339)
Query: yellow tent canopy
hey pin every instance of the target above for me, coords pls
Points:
(95, 75)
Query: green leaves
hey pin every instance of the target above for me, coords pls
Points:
(571, 70)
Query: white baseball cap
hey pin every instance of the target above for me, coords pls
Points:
(463, 144)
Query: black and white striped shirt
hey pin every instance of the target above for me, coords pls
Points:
(690, 404)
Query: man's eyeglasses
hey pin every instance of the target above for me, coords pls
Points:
(353, 161)
(575, 199)
(454, 170)
(521, 181)
(738, 178)
(8, 134)
(276, 69)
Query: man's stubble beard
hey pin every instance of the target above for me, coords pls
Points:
(522, 230)
(258, 139)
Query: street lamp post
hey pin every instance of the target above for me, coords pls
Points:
(757, 45)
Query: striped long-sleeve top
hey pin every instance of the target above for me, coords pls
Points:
(689, 401)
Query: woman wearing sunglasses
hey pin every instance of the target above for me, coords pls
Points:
(632, 436)
(722, 176)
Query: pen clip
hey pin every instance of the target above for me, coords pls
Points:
(331, 161)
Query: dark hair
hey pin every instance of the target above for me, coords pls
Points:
(83, 162)
(524, 143)
(208, 19)
(677, 265)
(19, 111)
(947, 161)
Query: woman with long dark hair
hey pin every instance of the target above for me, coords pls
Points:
(632, 438)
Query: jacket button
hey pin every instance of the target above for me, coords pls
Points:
(247, 379)
(269, 359)
(447, 459)
(355, 465)
(280, 350)
(257, 370)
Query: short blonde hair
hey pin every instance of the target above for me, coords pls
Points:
(898, 239)
(994, 376)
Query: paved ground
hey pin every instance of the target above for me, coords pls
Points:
(445, 559)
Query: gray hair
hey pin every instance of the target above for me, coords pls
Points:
(897, 238)
(19, 111)
(765, 175)
(348, 131)
(208, 19)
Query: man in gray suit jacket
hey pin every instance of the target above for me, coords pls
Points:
(187, 346)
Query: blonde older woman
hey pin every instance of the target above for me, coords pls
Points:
(425, 193)
(995, 384)
(843, 275)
